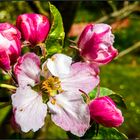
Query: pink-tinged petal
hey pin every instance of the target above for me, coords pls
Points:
(59, 65)
(9, 43)
(83, 76)
(29, 109)
(104, 111)
(4, 60)
(101, 54)
(96, 44)
(85, 36)
(10, 32)
(34, 27)
(70, 113)
(27, 69)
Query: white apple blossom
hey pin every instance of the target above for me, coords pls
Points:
(62, 83)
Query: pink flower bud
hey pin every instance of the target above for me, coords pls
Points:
(34, 27)
(103, 110)
(10, 45)
(96, 44)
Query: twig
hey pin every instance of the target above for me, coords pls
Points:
(71, 41)
(133, 47)
(36, 7)
(98, 91)
(112, 5)
(124, 12)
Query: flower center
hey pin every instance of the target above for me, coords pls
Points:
(52, 86)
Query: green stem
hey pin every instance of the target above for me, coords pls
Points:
(7, 86)
(98, 91)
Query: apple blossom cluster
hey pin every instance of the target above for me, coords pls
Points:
(58, 86)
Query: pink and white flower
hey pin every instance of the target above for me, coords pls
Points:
(28, 106)
(10, 46)
(96, 44)
(66, 105)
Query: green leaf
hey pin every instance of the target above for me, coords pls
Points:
(55, 40)
(118, 100)
(71, 136)
(103, 92)
(92, 131)
(107, 92)
(110, 134)
(4, 112)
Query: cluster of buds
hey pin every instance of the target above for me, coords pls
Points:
(61, 79)
(33, 28)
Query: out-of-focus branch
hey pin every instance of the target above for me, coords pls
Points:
(128, 50)
(112, 5)
(36, 7)
(122, 13)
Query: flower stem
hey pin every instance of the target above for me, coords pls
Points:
(13, 77)
(87, 97)
(75, 47)
(71, 41)
(7, 86)
(98, 91)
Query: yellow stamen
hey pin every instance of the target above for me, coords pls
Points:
(53, 101)
(53, 58)
(52, 86)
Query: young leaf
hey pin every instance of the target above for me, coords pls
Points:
(103, 92)
(110, 134)
(55, 40)
(118, 100)
(71, 136)
(107, 92)
(92, 131)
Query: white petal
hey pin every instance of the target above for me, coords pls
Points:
(70, 113)
(59, 65)
(45, 72)
(83, 76)
(100, 28)
(27, 69)
(30, 111)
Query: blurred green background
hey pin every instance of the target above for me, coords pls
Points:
(122, 75)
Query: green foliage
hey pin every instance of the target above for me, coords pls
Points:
(55, 40)
(110, 134)
(92, 131)
(10, 10)
(103, 92)
(107, 92)
(126, 37)
(103, 133)
(123, 76)
(71, 136)
(4, 110)
(118, 100)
